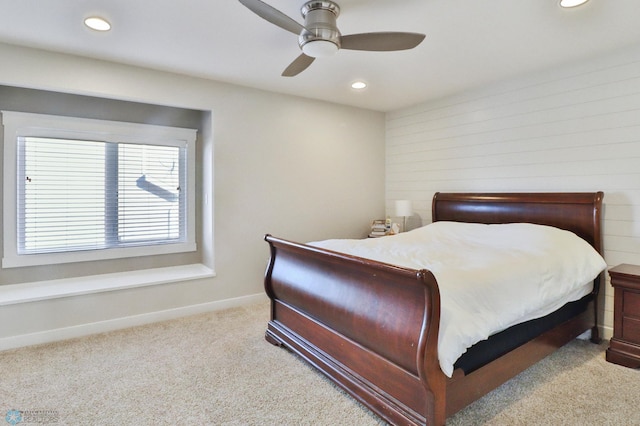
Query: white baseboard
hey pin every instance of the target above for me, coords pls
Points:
(606, 333)
(81, 330)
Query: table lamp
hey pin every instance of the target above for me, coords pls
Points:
(404, 209)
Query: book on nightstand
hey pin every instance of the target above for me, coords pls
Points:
(378, 228)
(381, 228)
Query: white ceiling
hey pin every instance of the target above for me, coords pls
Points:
(469, 42)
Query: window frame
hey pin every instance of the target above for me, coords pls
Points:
(21, 124)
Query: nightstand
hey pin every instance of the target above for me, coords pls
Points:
(624, 348)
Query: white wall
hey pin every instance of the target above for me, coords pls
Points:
(574, 128)
(293, 167)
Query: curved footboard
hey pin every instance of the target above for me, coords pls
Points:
(372, 328)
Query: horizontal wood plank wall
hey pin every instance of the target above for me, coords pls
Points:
(574, 128)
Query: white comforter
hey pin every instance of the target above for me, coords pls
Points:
(490, 276)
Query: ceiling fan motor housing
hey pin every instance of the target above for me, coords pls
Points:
(320, 24)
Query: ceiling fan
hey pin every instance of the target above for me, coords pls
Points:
(319, 36)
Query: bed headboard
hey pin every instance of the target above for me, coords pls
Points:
(578, 212)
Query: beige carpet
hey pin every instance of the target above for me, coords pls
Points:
(217, 369)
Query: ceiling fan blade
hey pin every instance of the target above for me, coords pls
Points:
(273, 15)
(382, 41)
(300, 64)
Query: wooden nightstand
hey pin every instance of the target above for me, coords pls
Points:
(624, 348)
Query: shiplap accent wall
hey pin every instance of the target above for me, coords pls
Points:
(574, 128)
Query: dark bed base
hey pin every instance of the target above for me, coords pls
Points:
(499, 344)
(372, 328)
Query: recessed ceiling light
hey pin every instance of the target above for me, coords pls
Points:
(358, 85)
(572, 3)
(97, 23)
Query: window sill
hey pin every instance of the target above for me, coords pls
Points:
(52, 289)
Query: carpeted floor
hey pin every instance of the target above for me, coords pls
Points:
(217, 369)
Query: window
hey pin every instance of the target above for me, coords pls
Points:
(80, 189)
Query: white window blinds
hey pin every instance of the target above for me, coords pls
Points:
(81, 195)
(150, 208)
(61, 195)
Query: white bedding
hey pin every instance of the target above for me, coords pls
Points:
(490, 276)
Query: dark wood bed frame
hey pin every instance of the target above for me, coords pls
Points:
(372, 328)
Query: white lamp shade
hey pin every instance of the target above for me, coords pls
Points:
(404, 208)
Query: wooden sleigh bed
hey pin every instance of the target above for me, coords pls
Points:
(372, 328)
